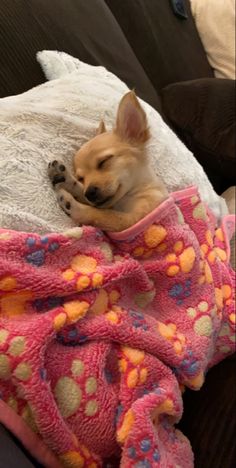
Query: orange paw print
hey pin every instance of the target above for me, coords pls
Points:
(220, 248)
(114, 315)
(73, 311)
(104, 300)
(205, 273)
(227, 294)
(207, 247)
(169, 332)
(154, 238)
(131, 364)
(182, 260)
(84, 270)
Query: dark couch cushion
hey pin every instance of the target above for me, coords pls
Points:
(203, 113)
(85, 29)
(209, 419)
(168, 48)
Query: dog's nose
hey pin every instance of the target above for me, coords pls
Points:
(92, 194)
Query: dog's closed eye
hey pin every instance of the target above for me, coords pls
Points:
(80, 179)
(102, 163)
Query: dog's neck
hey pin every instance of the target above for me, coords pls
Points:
(148, 188)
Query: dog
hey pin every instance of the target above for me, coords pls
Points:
(113, 187)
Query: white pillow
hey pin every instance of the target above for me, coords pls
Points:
(215, 21)
(51, 122)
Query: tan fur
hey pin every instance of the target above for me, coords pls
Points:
(125, 182)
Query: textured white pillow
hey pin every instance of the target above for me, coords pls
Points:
(51, 122)
(215, 21)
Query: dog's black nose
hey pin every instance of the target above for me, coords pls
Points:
(92, 194)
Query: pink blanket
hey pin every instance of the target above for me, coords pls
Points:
(99, 334)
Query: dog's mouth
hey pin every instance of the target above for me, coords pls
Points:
(106, 200)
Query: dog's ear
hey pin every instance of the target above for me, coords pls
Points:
(101, 128)
(131, 120)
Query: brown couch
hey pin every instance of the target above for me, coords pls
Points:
(148, 47)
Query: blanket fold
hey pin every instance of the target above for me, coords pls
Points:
(100, 333)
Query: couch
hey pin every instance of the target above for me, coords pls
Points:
(149, 47)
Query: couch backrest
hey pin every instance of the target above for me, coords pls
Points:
(141, 41)
(85, 29)
(168, 47)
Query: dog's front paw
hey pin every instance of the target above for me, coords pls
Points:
(70, 206)
(57, 172)
(65, 200)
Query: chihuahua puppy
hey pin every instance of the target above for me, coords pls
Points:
(113, 187)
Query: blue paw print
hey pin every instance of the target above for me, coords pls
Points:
(70, 337)
(39, 246)
(138, 320)
(180, 291)
(36, 258)
(47, 303)
(143, 464)
(145, 445)
(119, 411)
(188, 366)
(43, 373)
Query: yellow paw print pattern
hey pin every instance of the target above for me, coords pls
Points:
(23, 371)
(83, 269)
(84, 264)
(131, 364)
(203, 326)
(170, 333)
(17, 346)
(100, 304)
(145, 298)
(114, 315)
(3, 335)
(205, 273)
(27, 415)
(103, 298)
(5, 367)
(13, 304)
(166, 407)
(182, 260)
(72, 459)
(199, 212)
(203, 318)
(153, 242)
(154, 236)
(227, 294)
(68, 395)
(207, 248)
(126, 426)
(78, 458)
(75, 310)
(8, 283)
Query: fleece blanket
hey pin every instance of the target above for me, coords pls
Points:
(100, 333)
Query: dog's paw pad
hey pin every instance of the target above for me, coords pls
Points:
(57, 172)
(57, 179)
(64, 203)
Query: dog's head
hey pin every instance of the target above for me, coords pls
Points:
(110, 165)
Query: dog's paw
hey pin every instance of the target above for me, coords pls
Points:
(69, 205)
(57, 172)
(65, 200)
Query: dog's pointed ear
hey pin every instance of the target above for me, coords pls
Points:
(101, 128)
(131, 120)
